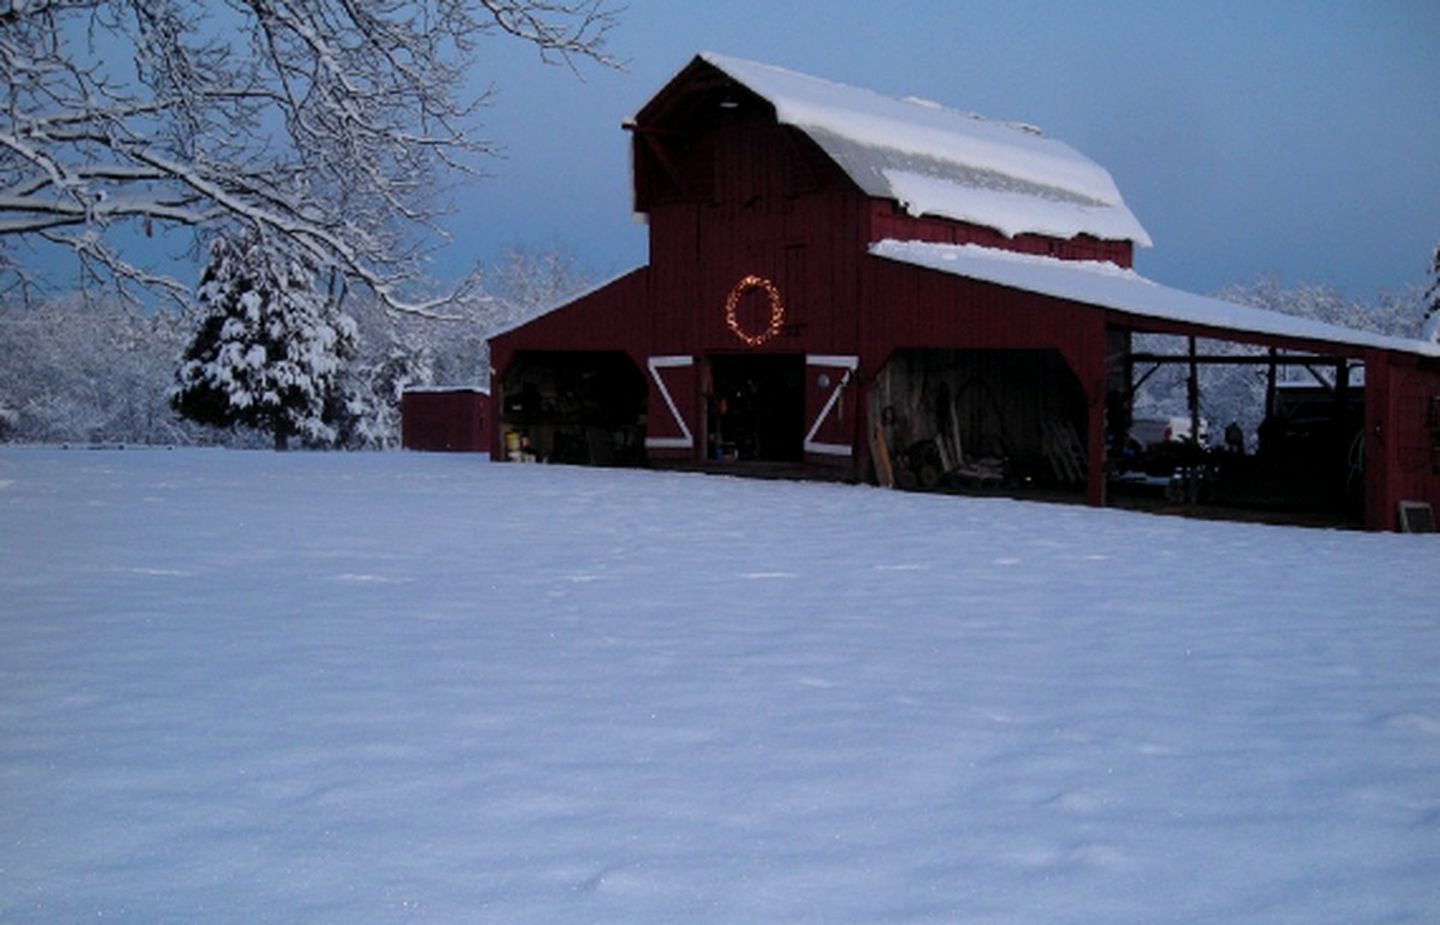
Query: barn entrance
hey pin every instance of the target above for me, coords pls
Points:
(575, 407)
(755, 408)
(1013, 420)
(1281, 434)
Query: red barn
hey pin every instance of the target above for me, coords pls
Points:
(849, 286)
(454, 419)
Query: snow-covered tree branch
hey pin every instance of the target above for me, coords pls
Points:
(331, 123)
(1430, 329)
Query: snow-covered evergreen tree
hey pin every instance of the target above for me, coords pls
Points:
(271, 350)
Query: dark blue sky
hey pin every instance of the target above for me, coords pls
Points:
(1299, 140)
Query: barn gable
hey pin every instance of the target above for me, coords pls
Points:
(930, 160)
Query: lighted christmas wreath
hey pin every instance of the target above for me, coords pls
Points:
(777, 310)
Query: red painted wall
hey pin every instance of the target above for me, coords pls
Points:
(453, 420)
(1402, 435)
(889, 220)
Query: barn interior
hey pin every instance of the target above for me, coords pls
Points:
(1286, 443)
(992, 419)
(575, 407)
(755, 407)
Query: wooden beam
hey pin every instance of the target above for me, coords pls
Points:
(1215, 359)
(1192, 394)
(1270, 382)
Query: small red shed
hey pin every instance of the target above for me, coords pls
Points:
(453, 419)
(850, 286)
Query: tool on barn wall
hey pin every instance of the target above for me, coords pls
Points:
(884, 472)
(1064, 451)
(919, 427)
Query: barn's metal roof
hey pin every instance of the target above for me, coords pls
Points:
(1105, 285)
(937, 161)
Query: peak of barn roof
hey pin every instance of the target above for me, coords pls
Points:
(941, 162)
(1108, 286)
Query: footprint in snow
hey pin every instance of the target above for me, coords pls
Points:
(1076, 801)
(810, 681)
(1410, 722)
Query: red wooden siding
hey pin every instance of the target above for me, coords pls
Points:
(612, 317)
(889, 220)
(1402, 435)
(455, 420)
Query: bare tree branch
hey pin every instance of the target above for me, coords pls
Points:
(331, 122)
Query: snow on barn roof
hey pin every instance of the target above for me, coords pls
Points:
(1104, 284)
(937, 161)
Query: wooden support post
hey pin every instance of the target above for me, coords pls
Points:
(1270, 385)
(1193, 394)
(1095, 452)
(1381, 492)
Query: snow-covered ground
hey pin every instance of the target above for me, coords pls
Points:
(248, 686)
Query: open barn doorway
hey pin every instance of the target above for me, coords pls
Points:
(1006, 420)
(1229, 429)
(574, 407)
(756, 407)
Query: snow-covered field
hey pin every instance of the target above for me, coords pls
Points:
(248, 686)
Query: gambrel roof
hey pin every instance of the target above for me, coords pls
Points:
(940, 162)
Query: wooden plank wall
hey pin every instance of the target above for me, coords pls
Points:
(1402, 435)
(773, 213)
(889, 220)
(447, 421)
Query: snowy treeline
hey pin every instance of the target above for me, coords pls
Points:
(74, 370)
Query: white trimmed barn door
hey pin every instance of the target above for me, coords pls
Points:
(671, 420)
(844, 367)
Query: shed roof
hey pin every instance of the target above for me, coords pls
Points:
(1103, 284)
(937, 161)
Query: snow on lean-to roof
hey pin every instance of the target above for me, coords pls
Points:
(937, 161)
(1106, 285)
